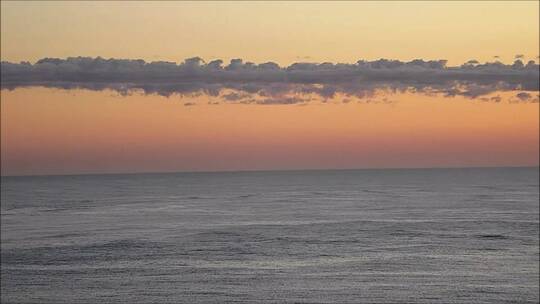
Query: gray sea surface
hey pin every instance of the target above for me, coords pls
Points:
(337, 236)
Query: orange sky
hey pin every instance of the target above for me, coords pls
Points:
(58, 131)
(49, 131)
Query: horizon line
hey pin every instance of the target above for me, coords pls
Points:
(270, 170)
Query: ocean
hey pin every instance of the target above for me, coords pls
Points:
(335, 236)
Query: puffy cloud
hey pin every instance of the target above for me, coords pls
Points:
(268, 83)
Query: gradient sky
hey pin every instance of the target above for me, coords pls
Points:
(70, 131)
(283, 32)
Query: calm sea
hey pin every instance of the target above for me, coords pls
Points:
(343, 236)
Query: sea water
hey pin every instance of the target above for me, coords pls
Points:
(336, 236)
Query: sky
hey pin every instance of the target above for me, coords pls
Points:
(283, 32)
(138, 87)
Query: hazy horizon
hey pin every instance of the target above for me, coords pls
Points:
(276, 170)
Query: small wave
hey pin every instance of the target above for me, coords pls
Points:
(64, 235)
(491, 249)
(246, 195)
(407, 234)
(492, 236)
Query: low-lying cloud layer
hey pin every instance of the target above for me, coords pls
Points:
(268, 83)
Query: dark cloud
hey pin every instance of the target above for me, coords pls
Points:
(526, 97)
(496, 98)
(523, 96)
(268, 83)
(235, 96)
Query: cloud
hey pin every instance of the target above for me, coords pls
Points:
(269, 83)
(523, 96)
(526, 97)
(281, 100)
(235, 96)
(496, 98)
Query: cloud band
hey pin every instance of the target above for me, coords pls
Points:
(270, 83)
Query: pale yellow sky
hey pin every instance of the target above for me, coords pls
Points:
(283, 32)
